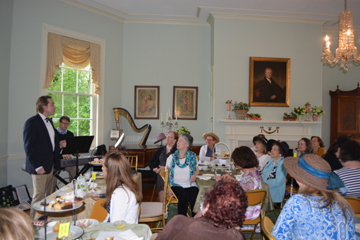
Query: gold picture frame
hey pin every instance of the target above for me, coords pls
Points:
(185, 103)
(146, 102)
(273, 93)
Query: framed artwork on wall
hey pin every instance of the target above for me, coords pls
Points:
(185, 103)
(146, 102)
(269, 84)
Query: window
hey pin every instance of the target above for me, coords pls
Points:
(72, 92)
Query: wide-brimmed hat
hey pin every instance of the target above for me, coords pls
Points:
(283, 145)
(217, 139)
(314, 172)
(261, 139)
(160, 137)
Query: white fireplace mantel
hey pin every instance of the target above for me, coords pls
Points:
(241, 132)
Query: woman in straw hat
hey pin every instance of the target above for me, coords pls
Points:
(274, 172)
(207, 151)
(318, 211)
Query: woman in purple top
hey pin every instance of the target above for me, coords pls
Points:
(245, 160)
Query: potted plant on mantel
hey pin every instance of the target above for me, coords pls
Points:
(316, 112)
(300, 111)
(293, 116)
(240, 110)
(286, 117)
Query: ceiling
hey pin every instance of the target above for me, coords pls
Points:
(198, 11)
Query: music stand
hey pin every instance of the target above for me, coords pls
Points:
(76, 145)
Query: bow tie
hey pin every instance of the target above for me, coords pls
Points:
(47, 119)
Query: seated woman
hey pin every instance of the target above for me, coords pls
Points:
(260, 151)
(207, 151)
(350, 173)
(274, 172)
(15, 224)
(332, 154)
(183, 170)
(317, 211)
(122, 193)
(305, 146)
(158, 161)
(223, 212)
(318, 146)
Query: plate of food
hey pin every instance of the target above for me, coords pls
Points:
(63, 203)
(87, 223)
(100, 175)
(97, 162)
(52, 232)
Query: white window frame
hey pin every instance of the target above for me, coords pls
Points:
(98, 100)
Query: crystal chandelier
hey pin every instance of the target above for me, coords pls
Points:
(346, 50)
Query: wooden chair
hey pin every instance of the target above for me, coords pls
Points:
(255, 197)
(355, 203)
(98, 212)
(131, 160)
(156, 211)
(266, 226)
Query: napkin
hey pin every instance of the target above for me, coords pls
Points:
(125, 235)
(203, 177)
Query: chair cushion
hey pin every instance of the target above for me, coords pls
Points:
(151, 209)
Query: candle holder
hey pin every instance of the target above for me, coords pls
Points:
(307, 106)
(169, 126)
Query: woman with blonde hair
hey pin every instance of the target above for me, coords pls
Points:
(122, 193)
(15, 224)
(317, 211)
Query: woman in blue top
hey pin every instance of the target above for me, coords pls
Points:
(274, 172)
(317, 211)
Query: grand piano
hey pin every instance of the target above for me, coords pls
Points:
(135, 140)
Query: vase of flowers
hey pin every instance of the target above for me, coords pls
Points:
(240, 110)
(183, 129)
(316, 112)
(300, 111)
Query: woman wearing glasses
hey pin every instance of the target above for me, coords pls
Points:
(158, 161)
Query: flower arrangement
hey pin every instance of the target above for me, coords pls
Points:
(241, 106)
(300, 111)
(317, 111)
(183, 129)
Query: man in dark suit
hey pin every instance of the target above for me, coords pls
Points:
(63, 133)
(42, 148)
(267, 90)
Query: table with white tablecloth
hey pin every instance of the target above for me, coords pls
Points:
(85, 210)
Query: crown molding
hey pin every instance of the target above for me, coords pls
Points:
(269, 18)
(94, 10)
(166, 21)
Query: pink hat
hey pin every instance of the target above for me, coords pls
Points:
(160, 137)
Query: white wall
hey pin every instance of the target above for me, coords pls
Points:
(237, 40)
(28, 17)
(333, 76)
(166, 56)
(6, 9)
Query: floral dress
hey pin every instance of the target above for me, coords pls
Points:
(303, 217)
(251, 181)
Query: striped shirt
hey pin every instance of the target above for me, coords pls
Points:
(351, 179)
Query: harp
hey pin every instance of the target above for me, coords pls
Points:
(125, 124)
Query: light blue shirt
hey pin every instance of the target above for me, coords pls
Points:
(303, 218)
